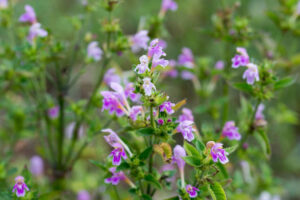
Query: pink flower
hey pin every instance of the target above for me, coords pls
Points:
(218, 153)
(129, 93)
(3, 4)
(112, 138)
(20, 186)
(168, 5)
(187, 75)
(220, 65)
(116, 177)
(178, 154)
(93, 51)
(186, 58)
(111, 76)
(167, 107)
(36, 166)
(135, 110)
(155, 48)
(36, 31)
(53, 112)
(251, 74)
(139, 41)
(117, 154)
(192, 191)
(29, 15)
(143, 66)
(231, 131)
(240, 59)
(186, 115)
(157, 60)
(160, 121)
(83, 195)
(148, 86)
(186, 129)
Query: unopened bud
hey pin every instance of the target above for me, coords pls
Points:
(210, 144)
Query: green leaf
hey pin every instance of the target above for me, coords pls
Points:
(192, 160)
(283, 83)
(216, 191)
(191, 150)
(146, 197)
(243, 87)
(146, 131)
(146, 153)
(231, 149)
(151, 179)
(222, 169)
(264, 141)
(173, 198)
(123, 166)
(99, 164)
(199, 145)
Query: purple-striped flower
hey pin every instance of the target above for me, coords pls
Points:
(129, 93)
(116, 177)
(3, 4)
(111, 103)
(139, 41)
(155, 48)
(157, 60)
(94, 51)
(111, 76)
(218, 153)
(178, 154)
(186, 129)
(187, 75)
(167, 107)
(231, 131)
(36, 31)
(148, 86)
(53, 112)
(251, 74)
(117, 154)
(219, 65)
(186, 58)
(83, 195)
(20, 186)
(29, 15)
(36, 166)
(191, 190)
(143, 66)
(168, 5)
(240, 59)
(135, 111)
(186, 115)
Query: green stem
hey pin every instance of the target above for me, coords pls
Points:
(150, 164)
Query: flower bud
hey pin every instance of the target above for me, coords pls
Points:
(210, 144)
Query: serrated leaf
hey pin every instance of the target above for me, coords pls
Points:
(231, 149)
(283, 83)
(243, 87)
(151, 179)
(146, 131)
(191, 150)
(192, 160)
(216, 191)
(146, 153)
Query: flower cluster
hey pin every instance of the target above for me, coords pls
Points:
(242, 59)
(35, 29)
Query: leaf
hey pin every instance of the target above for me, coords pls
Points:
(222, 169)
(173, 198)
(146, 153)
(231, 149)
(283, 83)
(164, 150)
(265, 142)
(191, 150)
(216, 191)
(98, 164)
(151, 179)
(243, 87)
(199, 145)
(146, 197)
(192, 160)
(123, 166)
(146, 131)
(179, 104)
